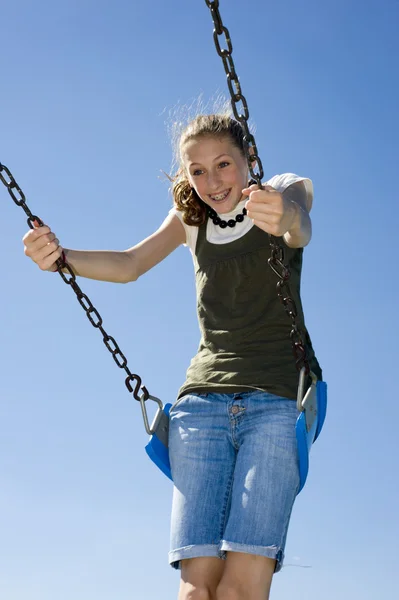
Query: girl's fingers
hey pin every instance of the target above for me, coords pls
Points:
(32, 246)
(48, 263)
(260, 210)
(35, 234)
(266, 220)
(45, 251)
(42, 246)
(265, 196)
(255, 188)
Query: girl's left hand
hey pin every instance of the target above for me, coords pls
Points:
(269, 210)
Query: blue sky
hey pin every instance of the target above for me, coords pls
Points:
(86, 90)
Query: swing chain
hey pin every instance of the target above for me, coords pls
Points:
(236, 94)
(276, 260)
(133, 382)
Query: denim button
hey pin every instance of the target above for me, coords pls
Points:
(235, 410)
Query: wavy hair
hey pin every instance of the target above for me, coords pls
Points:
(185, 197)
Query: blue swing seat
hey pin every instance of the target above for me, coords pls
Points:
(308, 427)
(158, 451)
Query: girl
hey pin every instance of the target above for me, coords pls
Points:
(232, 438)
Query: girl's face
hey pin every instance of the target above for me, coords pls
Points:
(217, 171)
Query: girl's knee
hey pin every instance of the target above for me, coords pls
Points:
(191, 592)
(200, 577)
(246, 577)
(226, 591)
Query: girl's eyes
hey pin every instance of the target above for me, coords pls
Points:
(222, 165)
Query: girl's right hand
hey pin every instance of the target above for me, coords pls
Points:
(42, 247)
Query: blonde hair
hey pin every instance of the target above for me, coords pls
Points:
(218, 125)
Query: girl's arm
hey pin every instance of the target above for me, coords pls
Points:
(155, 248)
(43, 248)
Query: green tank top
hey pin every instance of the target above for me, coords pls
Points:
(245, 343)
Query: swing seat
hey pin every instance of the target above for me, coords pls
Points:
(157, 447)
(309, 425)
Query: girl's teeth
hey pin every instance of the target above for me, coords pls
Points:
(220, 196)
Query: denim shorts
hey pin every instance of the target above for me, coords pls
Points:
(234, 464)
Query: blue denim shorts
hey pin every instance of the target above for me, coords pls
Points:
(234, 464)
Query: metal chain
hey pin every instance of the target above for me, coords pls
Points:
(276, 260)
(132, 381)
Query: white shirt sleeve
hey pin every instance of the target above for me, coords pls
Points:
(281, 182)
(191, 230)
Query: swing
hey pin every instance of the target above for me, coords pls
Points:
(312, 404)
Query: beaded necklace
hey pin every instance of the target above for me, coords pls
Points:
(221, 222)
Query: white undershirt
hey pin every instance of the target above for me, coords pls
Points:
(217, 235)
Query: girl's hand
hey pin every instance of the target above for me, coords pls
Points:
(42, 247)
(269, 210)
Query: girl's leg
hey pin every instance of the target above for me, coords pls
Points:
(266, 481)
(200, 578)
(202, 460)
(246, 577)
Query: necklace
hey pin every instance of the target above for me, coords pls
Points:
(221, 222)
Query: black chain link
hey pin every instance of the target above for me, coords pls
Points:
(276, 260)
(132, 381)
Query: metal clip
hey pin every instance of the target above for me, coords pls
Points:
(307, 402)
(157, 424)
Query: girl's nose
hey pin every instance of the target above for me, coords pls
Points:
(214, 182)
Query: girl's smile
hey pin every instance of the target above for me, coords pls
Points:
(221, 197)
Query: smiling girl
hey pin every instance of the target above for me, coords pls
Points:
(232, 437)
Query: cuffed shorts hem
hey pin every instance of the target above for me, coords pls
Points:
(268, 551)
(194, 551)
(219, 551)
